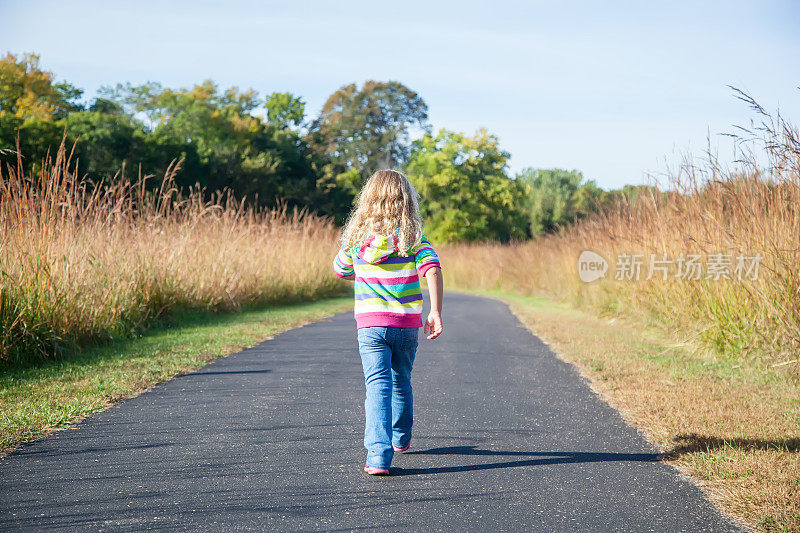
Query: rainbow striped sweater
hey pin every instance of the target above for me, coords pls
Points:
(387, 286)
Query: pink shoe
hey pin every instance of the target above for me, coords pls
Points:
(372, 471)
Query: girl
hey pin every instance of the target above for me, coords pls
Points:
(382, 250)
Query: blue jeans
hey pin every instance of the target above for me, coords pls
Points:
(387, 355)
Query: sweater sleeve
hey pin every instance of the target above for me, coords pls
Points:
(343, 263)
(425, 257)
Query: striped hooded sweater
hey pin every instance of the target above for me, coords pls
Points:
(387, 289)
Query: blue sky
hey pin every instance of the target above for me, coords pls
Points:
(614, 89)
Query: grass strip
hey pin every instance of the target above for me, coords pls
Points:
(39, 398)
(732, 424)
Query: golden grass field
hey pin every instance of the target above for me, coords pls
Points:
(718, 214)
(83, 262)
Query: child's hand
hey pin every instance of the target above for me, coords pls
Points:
(433, 326)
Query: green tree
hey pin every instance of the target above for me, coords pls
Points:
(368, 129)
(31, 104)
(590, 198)
(285, 110)
(550, 198)
(556, 197)
(105, 142)
(234, 148)
(27, 91)
(38, 138)
(465, 189)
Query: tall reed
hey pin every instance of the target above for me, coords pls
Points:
(82, 261)
(750, 209)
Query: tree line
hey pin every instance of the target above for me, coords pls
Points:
(266, 149)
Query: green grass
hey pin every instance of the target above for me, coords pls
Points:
(37, 398)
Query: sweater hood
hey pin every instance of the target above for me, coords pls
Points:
(377, 248)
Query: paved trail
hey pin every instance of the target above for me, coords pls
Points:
(506, 438)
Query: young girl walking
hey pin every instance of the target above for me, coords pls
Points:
(385, 252)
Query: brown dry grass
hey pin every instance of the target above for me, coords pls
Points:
(82, 262)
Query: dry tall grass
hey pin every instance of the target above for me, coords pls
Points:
(751, 209)
(83, 261)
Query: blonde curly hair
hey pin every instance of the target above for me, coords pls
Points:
(386, 203)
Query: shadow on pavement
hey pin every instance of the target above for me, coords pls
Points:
(199, 373)
(537, 458)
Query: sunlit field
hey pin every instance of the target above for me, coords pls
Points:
(736, 304)
(84, 262)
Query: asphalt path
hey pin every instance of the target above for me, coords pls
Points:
(507, 437)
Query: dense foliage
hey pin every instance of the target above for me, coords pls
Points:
(265, 151)
(468, 195)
